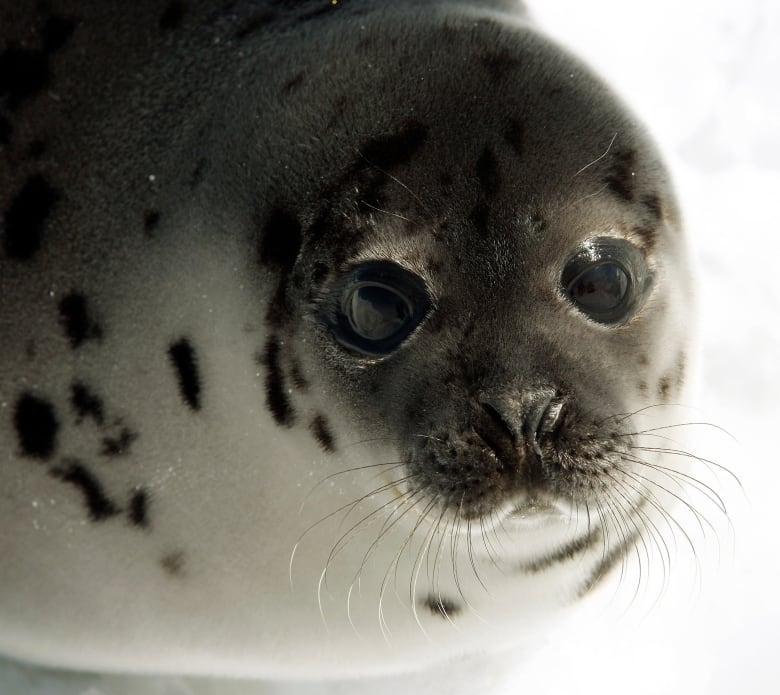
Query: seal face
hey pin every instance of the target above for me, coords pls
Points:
(336, 337)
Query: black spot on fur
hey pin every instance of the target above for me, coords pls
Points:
(394, 150)
(85, 403)
(36, 426)
(172, 16)
(293, 83)
(26, 217)
(275, 387)
(23, 74)
(99, 505)
(654, 205)
(443, 607)
(297, 377)
(281, 241)
(185, 363)
(538, 221)
(56, 32)
(138, 509)
(174, 563)
(151, 221)
(319, 428)
(119, 445)
(76, 321)
(487, 172)
(620, 178)
(646, 236)
(664, 386)
(499, 64)
(319, 272)
(514, 135)
(37, 149)
(5, 131)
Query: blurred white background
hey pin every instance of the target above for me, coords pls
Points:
(705, 77)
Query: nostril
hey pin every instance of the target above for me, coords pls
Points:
(541, 418)
(495, 415)
(496, 432)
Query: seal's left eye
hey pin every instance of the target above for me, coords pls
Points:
(375, 307)
(606, 279)
(375, 311)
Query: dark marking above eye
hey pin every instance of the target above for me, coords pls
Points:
(654, 206)
(319, 272)
(25, 219)
(118, 445)
(56, 33)
(442, 607)
(151, 221)
(185, 364)
(172, 16)
(138, 509)
(621, 179)
(36, 426)
(646, 237)
(85, 403)
(76, 321)
(23, 74)
(174, 563)
(275, 387)
(514, 135)
(99, 505)
(321, 431)
(487, 172)
(394, 150)
(281, 240)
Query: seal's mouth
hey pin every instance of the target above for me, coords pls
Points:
(529, 514)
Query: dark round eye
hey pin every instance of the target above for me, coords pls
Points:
(375, 311)
(605, 279)
(374, 307)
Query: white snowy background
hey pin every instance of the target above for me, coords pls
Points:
(705, 77)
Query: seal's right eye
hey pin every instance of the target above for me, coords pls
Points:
(375, 307)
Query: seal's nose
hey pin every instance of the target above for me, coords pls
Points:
(512, 430)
